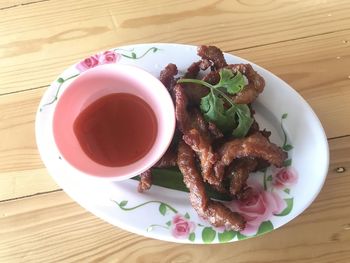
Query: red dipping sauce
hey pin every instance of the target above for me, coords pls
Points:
(116, 130)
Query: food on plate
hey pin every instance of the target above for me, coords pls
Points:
(217, 142)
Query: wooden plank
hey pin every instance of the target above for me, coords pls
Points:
(21, 170)
(318, 68)
(49, 36)
(8, 4)
(53, 227)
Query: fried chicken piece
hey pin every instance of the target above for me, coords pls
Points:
(213, 54)
(202, 146)
(205, 64)
(253, 146)
(193, 70)
(212, 77)
(196, 134)
(167, 76)
(169, 159)
(240, 173)
(181, 113)
(145, 182)
(214, 131)
(255, 86)
(215, 212)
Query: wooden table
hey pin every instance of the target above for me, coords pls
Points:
(306, 43)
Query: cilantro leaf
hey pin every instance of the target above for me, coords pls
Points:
(244, 121)
(236, 118)
(213, 110)
(232, 83)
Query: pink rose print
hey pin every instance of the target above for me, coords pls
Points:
(106, 57)
(284, 177)
(109, 57)
(87, 63)
(259, 206)
(181, 227)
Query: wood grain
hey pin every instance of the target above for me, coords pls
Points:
(21, 170)
(49, 36)
(306, 43)
(53, 227)
(318, 68)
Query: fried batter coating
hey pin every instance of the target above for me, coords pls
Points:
(255, 86)
(167, 76)
(196, 134)
(193, 70)
(169, 159)
(145, 182)
(202, 146)
(214, 131)
(212, 77)
(181, 113)
(253, 146)
(215, 212)
(240, 173)
(213, 54)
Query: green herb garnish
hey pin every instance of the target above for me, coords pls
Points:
(237, 117)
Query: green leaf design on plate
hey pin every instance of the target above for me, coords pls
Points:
(187, 216)
(123, 203)
(241, 236)
(60, 80)
(287, 190)
(266, 226)
(287, 163)
(168, 223)
(269, 178)
(192, 236)
(162, 208)
(208, 234)
(287, 147)
(133, 55)
(288, 209)
(285, 115)
(226, 236)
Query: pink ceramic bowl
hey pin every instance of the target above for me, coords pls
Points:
(96, 83)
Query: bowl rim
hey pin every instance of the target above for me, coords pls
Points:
(130, 72)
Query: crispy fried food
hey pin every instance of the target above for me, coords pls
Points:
(212, 54)
(202, 146)
(212, 78)
(255, 86)
(196, 135)
(253, 146)
(240, 173)
(181, 113)
(145, 182)
(194, 92)
(214, 131)
(215, 212)
(193, 70)
(167, 76)
(205, 154)
(169, 159)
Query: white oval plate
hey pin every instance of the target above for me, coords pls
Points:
(161, 213)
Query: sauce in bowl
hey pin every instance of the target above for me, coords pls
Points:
(116, 130)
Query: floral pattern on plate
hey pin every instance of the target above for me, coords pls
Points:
(270, 197)
(278, 193)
